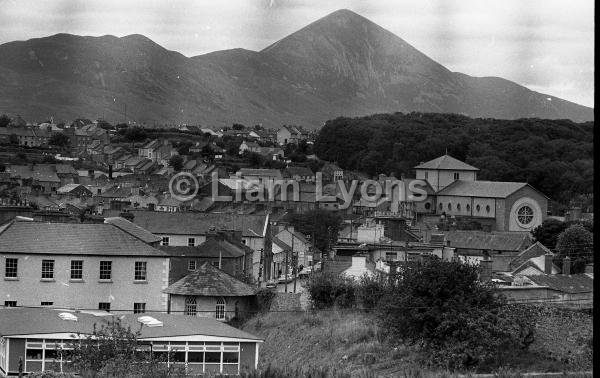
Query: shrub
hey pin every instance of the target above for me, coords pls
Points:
(457, 320)
(370, 290)
(328, 290)
(264, 299)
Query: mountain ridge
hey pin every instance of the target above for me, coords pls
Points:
(340, 64)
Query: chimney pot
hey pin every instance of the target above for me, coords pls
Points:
(566, 270)
(548, 263)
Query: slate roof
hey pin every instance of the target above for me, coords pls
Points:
(260, 172)
(67, 188)
(298, 171)
(133, 229)
(571, 284)
(497, 241)
(62, 169)
(535, 250)
(210, 248)
(40, 172)
(486, 189)
(446, 162)
(28, 321)
(99, 239)
(191, 223)
(209, 281)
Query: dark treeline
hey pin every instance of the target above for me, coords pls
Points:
(555, 156)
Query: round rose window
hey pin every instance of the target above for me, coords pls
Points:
(525, 215)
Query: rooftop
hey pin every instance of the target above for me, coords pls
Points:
(29, 321)
(572, 284)
(489, 189)
(100, 239)
(480, 240)
(192, 223)
(211, 282)
(133, 229)
(210, 248)
(446, 162)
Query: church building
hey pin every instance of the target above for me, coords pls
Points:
(501, 206)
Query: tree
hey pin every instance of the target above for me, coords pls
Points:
(105, 125)
(176, 161)
(135, 134)
(4, 120)
(547, 232)
(59, 140)
(577, 243)
(238, 126)
(457, 319)
(324, 225)
(13, 139)
(114, 350)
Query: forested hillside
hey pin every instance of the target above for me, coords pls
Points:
(555, 156)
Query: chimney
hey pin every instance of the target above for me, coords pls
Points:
(211, 233)
(548, 263)
(127, 215)
(485, 265)
(566, 268)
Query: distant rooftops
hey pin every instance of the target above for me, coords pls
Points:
(446, 162)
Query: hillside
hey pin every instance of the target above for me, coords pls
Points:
(347, 343)
(341, 64)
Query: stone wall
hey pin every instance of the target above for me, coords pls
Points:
(286, 302)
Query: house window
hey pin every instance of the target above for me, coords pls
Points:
(441, 207)
(456, 176)
(10, 303)
(48, 269)
(427, 206)
(10, 269)
(468, 207)
(426, 175)
(139, 308)
(190, 306)
(140, 271)
(47, 304)
(76, 269)
(105, 306)
(220, 309)
(165, 240)
(449, 206)
(487, 208)
(192, 265)
(478, 208)
(458, 207)
(105, 270)
(191, 242)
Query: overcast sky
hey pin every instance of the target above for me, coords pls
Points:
(546, 45)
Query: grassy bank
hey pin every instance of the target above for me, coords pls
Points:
(350, 344)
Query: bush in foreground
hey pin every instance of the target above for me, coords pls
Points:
(458, 321)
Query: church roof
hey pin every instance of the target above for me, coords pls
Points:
(446, 162)
(486, 189)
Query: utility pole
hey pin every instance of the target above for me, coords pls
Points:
(286, 269)
(260, 266)
(295, 262)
